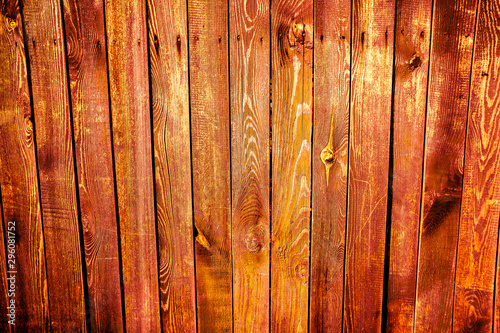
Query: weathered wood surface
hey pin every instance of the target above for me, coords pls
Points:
(291, 40)
(131, 119)
(44, 33)
(450, 64)
(170, 103)
(412, 39)
(250, 65)
(480, 211)
(210, 135)
(332, 52)
(19, 179)
(370, 121)
(88, 81)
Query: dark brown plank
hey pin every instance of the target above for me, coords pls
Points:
(55, 164)
(128, 78)
(170, 99)
(208, 43)
(450, 63)
(332, 35)
(480, 212)
(86, 45)
(410, 96)
(372, 59)
(5, 326)
(292, 102)
(19, 179)
(250, 63)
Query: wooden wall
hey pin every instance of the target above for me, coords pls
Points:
(250, 165)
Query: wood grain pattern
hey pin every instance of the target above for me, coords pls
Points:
(332, 36)
(128, 79)
(371, 83)
(4, 285)
(170, 99)
(250, 61)
(480, 211)
(292, 103)
(45, 38)
(86, 52)
(210, 132)
(412, 43)
(19, 178)
(450, 64)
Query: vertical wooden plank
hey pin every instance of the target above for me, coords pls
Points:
(130, 109)
(250, 61)
(170, 99)
(55, 164)
(4, 285)
(332, 35)
(410, 96)
(450, 64)
(210, 114)
(19, 179)
(292, 34)
(480, 212)
(371, 86)
(86, 45)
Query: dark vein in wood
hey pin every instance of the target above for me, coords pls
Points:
(78, 208)
(270, 159)
(495, 286)
(465, 155)
(388, 223)
(423, 161)
(115, 186)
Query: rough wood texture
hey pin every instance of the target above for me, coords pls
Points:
(208, 39)
(250, 61)
(55, 164)
(86, 45)
(4, 298)
(170, 99)
(292, 103)
(372, 58)
(19, 180)
(130, 108)
(410, 96)
(332, 36)
(450, 64)
(480, 212)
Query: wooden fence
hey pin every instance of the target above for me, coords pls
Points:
(250, 165)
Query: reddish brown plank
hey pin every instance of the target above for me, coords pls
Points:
(208, 43)
(372, 59)
(410, 96)
(5, 326)
(55, 164)
(480, 211)
(128, 78)
(292, 34)
(332, 37)
(250, 63)
(86, 45)
(170, 99)
(450, 64)
(18, 179)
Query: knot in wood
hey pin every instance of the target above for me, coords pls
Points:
(254, 239)
(327, 156)
(414, 62)
(302, 272)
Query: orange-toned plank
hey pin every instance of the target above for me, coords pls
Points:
(250, 63)
(210, 114)
(480, 211)
(450, 63)
(86, 45)
(372, 59)
(45, 41)
(410, 96)
(128, 78)
(170, 99)
(19, 180)
(332, 35)
(292, 103)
